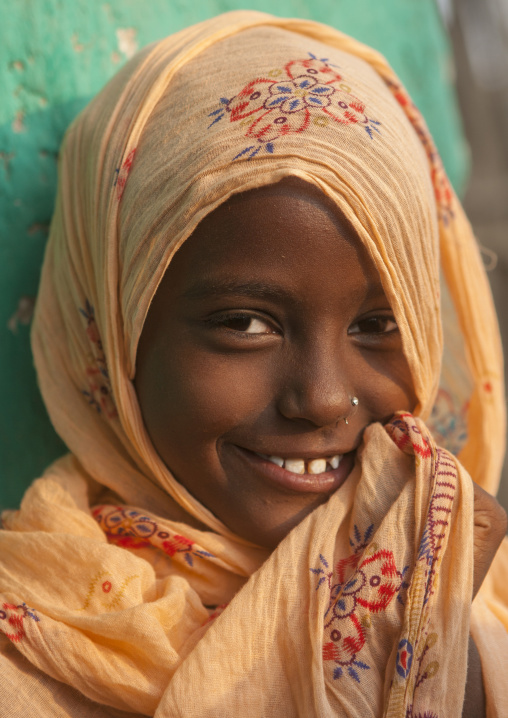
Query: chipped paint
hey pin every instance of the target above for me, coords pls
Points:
(127, 43)
(5, 160)
(18, 124)
(38, 227)
(23, 314)
(77, 46)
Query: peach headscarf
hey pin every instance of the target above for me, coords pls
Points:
(355, 612)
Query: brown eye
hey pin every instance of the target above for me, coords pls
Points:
(246, 324)
(374, 325)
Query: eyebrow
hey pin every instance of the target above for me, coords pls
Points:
(218, 287)
(260, 290)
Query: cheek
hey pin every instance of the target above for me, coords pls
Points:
(199, 396)
(386, 385)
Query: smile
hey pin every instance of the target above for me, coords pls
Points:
(319, 476)
(305, 466)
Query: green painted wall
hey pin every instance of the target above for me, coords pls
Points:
(54, 56)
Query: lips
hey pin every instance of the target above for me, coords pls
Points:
(269, 471)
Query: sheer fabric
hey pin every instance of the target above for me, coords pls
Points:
(107, 590)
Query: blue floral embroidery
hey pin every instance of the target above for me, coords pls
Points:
(288, 100)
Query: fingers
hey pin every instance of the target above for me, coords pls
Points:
(490, 525)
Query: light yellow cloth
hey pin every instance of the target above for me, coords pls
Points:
(364, 609)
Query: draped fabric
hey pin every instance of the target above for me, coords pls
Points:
(113, 599)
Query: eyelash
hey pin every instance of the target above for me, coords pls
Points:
(383, 318)
(221, 321)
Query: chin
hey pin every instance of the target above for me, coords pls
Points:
(269, 534)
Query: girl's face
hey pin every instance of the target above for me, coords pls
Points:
(269, 319)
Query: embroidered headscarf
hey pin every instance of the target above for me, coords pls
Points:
(109, 591)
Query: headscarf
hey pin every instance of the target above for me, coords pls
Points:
(118, 587)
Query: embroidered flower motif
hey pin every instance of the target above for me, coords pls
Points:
(122, 173)
(408, 437)
(425, 714)
(309, 90)
(442, 188)
(303, 91)
(14, 617)
(131, 529)
(215, 612)
(130, 523)
(362, 584)
(404, 658)
(97, 587)
(177, 544)
(98, 392)
(448, 423)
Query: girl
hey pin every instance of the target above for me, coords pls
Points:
(238, 335)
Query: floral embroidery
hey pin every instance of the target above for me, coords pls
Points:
(442, 188)
(15, 616)
(412, 663)
(425, 714)
(448, 423)
(98, 393)
(131, 529)
(362, 584)
(409, 440)
(306, 91)
(215, 612)
(404, 658)
(97, 588)
(121, 174)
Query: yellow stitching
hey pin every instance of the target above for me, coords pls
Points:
(115, 601)
(91, 589)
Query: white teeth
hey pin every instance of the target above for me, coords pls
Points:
(276, 460)
(316, 466)
(296, 466)
(301, 466)
(335, 461)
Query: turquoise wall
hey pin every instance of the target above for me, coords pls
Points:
(54, 56)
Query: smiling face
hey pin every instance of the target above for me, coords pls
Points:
(270, 318)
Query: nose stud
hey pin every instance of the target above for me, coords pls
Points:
(354, 402)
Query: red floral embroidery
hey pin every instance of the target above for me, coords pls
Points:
(368, 582)
(408, 437)
(306, 91)
(133, 530)
(122, 173)
(413, 648)
(442, 189)
(14, 617)
(98, 393)
(216, 612)
(177, 544)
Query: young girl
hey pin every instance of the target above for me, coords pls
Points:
(239, 337)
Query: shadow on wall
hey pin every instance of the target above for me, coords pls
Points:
(26, 206)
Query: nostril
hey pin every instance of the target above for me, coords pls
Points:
(317, 408)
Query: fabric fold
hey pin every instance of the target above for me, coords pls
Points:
(116, 584)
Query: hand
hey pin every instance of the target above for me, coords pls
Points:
(490, 524)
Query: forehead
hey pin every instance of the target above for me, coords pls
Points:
(288, 232)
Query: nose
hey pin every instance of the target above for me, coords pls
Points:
(316, 388)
